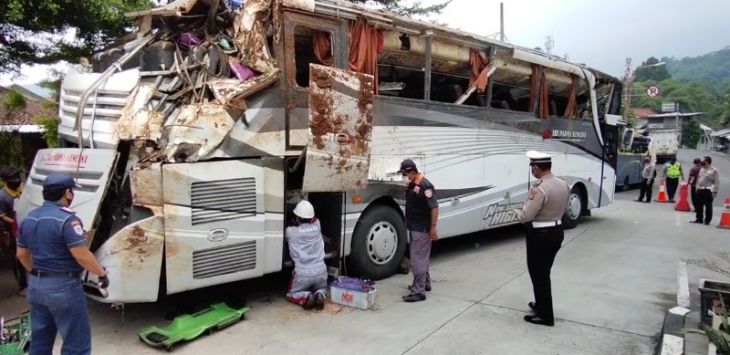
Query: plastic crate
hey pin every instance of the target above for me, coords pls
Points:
(710, 292)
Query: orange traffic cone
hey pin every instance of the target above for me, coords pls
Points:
(725, 216)
(662, 196)
(682, 203)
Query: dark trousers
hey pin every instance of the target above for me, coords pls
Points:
(672, 184)
(542, 246)
(704, 206)
(693, 195)
(646, 186)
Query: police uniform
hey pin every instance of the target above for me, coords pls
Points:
(673, 171)
(55, 292)
(420, 200)
(542, 215)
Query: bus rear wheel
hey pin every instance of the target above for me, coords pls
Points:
(574, 208)
(378, 243)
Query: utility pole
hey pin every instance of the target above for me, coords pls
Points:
(501, 21)
(628, 87)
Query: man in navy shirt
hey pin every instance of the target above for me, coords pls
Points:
(422, 213)
(53, 247)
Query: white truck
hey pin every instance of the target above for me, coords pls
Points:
(664, 143)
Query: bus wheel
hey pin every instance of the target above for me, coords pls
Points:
(378, 243)
(574, 208)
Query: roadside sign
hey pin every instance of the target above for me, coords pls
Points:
(652, 91)
(669, 107)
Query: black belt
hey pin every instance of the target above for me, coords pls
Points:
(40, 273)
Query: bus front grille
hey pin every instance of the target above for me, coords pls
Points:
(225, 259)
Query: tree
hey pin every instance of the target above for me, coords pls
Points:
(691, 134)
(34, 31)
(651, 69)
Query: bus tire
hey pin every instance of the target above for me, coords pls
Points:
(378, 243)
(574, 209)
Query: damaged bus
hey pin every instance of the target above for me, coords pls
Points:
(194, 137)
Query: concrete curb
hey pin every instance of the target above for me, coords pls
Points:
(672, 336)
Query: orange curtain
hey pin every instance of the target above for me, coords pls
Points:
(479, 73)
(533, 88)
(572, 98)
(544, 109)
(322, 47)
(365, 43)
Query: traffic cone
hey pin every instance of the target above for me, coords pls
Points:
(682, 203)
(725, 216)
(662, 196)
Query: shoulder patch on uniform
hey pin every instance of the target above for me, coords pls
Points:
(532, 194)
(428, 193)
(76, 225)
(66, 209)
(417, 189)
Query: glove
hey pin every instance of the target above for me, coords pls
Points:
(104, 281)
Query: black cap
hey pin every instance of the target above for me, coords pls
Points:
(407, 165)
(8, 172)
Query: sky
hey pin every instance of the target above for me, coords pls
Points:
(600, 34)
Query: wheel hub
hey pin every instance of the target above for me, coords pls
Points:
(382, 242)
(574, 206)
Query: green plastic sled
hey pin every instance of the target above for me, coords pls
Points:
(190, 326)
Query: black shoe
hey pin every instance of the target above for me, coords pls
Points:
(319, 301)
(671, 201)
(539, 320)
(532, 306)
(647, 201)
(707, 223)
(309, 303)
(414, 297)
(695, 221)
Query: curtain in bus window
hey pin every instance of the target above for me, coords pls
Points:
(544, 109)
(479, 74)
(572, 98)
(365, 43)
(322, 47)
(533, 88)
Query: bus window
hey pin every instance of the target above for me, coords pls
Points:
(400, 82)
(310, 46)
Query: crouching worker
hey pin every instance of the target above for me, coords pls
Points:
(308, 286)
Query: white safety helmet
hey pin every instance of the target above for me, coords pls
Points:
(304, 209)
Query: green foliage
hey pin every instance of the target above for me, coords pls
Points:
(712, 67)
(651, 70)
(692, 97)
(14, 101)
(12, 149)
(50, 129)
(31, 31)
(415, 8)
(691, 134)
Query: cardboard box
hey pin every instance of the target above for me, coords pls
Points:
(357, 299)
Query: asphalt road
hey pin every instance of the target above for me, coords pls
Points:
(613, 281)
